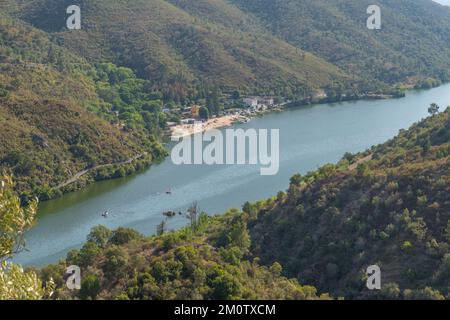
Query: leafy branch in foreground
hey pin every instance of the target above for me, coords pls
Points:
(14, 219)
(15, 283)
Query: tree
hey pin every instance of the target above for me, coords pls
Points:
(433, 109)
(88, 253)
(90, 287)
(224, 286)
(349, 157)
(213, 100)
(124, 235)
(116, 262)
(15, 283)
(204, 113)
(296, 179)
(192, 214)
(390, 291)
(276, 269)
(152, 106)
(161, 228)
(100, 235)
(423, 294)
(443, 273)
(14, 220)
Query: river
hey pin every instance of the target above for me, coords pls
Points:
(309, 138)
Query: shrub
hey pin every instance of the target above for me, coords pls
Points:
(407, 246)
(116, 262)
(423, 294)
(390, 291)
(90, 287)
(124, 235)
(100, 235)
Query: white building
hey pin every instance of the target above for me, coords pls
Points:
(267, 101)
(251, 102)
(187, 121)
(254, 102)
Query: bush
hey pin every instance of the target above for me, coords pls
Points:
(100, 235)
(443, 273)
(423, 294)
(224, 286)
(116, 262)
(124, 235)
(90, 287)
(390, 291)
(204, 113)
(88, 253)
(407, 246)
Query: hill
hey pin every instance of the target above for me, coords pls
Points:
(411, 46)
(58, 114)
(186, 47)
(258, 46)
(206, 261)
(389, 206)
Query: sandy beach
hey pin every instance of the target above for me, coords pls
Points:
(183, 130)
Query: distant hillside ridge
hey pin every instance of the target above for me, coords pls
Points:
(185, 46)
(412, 45)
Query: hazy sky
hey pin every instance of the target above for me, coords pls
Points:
(446, 2)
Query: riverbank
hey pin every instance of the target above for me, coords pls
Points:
(245, 115)
(78, 175)
(109, 171)
(309, 137)
(325, 99)
(118, 170)
(183, 130)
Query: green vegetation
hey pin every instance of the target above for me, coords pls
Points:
(389, 206)
(412, 46)
(210, 261)
(204, 113)
(187, 48)
(15, 284)
(285, 48)
(91, 100)
(59, 115)
(88, 105)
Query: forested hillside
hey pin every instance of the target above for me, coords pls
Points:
(207, 260)
(59, 115)
(389, 206)
(411, 45)
(91, 104)
(76, 100)
(187, 47)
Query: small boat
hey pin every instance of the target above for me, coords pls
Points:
(105, 214)
(170, 214)
(169, 191)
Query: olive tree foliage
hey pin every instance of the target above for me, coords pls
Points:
(15, 283)
(14, 220)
